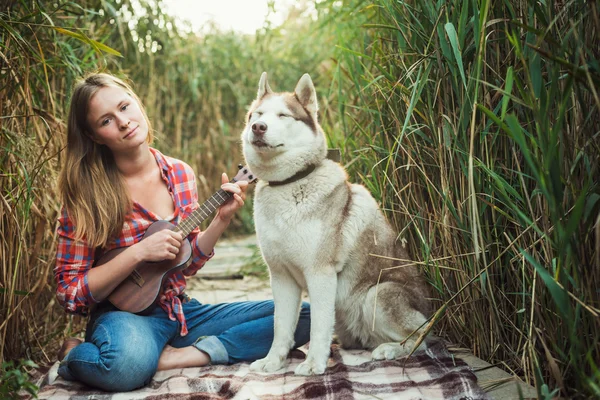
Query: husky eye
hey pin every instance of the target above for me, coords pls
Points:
(255, 114)
(283, 115)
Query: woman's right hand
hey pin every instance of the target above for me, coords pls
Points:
(162, 245)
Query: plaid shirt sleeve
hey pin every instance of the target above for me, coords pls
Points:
(74, 258)
(185, 187)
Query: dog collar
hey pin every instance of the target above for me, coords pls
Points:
(332, 154)
(299, 175)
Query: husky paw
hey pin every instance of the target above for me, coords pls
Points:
(266, 365)
(390, 351)
(311, 367)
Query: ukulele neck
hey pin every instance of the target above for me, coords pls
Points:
(198, 216)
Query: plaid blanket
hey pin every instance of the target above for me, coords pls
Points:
(350, 374)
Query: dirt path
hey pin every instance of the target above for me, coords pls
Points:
(209, 284)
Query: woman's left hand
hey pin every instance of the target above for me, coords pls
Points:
(227, 210)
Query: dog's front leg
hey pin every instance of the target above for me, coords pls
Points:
(287, 297)
(322, 286)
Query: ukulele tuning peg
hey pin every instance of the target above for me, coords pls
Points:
(240, 166)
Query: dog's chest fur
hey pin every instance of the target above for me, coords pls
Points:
(295, 221)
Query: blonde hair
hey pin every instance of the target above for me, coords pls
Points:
(91, 186)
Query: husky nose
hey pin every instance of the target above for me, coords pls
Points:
(259, 128)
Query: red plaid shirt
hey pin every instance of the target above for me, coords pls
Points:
(75, 258)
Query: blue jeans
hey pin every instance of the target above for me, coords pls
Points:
(121, 350)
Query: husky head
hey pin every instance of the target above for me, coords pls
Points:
(282, 135)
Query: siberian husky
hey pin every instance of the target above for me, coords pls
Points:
(320, 232)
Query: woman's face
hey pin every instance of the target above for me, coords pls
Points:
(116, 120)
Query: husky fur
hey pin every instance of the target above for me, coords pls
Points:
(325, 234)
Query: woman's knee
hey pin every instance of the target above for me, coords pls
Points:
(114, 371)
(127, 355)
(129, 368)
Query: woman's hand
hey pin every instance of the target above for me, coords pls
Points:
(162, 245)
(227, 210)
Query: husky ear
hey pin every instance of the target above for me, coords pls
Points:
(263, 87)
(306, 94)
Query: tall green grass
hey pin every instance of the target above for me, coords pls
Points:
(39, 64)
(477, 125)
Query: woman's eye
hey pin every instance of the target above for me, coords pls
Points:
(105, 122)
(124, 107)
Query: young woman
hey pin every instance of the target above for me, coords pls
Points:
(113, 186)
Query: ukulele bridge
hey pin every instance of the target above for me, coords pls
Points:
(137, 278)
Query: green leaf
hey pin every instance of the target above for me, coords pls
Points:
(590, 205)
(507, 92)
(17, 292)
(416, 94)
(453, 37)
(535, 71)
(559, 295)
(575, 217)
(444, 44)
(516, 132)
(490, 114)
(381, 26)
(95, 44)
(462, 23)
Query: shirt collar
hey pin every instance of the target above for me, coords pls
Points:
(163, 162)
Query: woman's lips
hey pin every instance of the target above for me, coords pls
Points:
(131, 132)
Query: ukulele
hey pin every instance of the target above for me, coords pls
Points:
(139, 291)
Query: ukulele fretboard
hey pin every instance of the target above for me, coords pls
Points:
(201, 213)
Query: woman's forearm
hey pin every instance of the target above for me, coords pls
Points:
(103, 279)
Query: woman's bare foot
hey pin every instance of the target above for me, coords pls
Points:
(184, 357)
(68, 345)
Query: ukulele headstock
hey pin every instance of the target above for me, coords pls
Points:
(244, 174)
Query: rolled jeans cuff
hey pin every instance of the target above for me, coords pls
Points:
(214, 348)
(63, 370)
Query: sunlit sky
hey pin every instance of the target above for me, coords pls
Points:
(244, 16)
